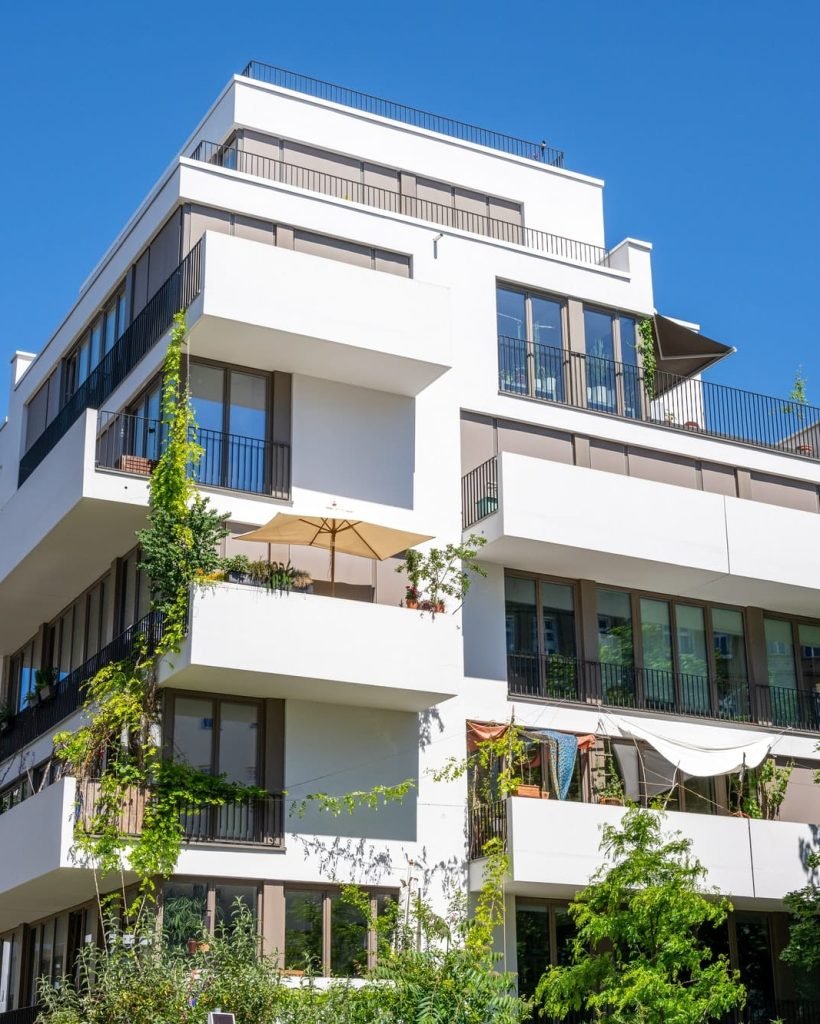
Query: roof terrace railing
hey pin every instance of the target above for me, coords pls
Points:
(177, 293)
(393, 111)
(351, 191)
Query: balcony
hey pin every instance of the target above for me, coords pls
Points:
(352, 191)
(36, 838)
(560, 678)
(251, 641)
(254, 821)
(610, 388)
(566, 520)
(33, 721)
(299, 313)
(133, 444)
(177, 293)
(745, 858)
(539, 151)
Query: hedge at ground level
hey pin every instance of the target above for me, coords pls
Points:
(142, 980)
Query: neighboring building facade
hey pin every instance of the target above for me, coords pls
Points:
(419, 321)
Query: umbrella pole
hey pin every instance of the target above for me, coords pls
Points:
(333, 564)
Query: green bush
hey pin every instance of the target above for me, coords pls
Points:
(140, 979)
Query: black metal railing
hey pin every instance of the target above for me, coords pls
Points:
(479, 493)
(559, 677)
(134, 444)
(487, 821)
(178, 292)
(619, 389)
(396, 202)
(345, 97)
(788, 708)
(256, 820)
(22, 1015)
(795, 1011)
(34, 721)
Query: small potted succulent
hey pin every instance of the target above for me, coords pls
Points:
(411, 597)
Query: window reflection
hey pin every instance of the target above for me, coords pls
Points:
(303, 930)
(615, 651)
(600, 354)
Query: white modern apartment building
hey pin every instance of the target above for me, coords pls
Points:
(419, 321)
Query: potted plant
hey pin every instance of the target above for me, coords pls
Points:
(439, 573)
(45, 682)
(610, 789)
(6, 717)
(237, 568)
(302, 581)
(282, 576)
(259, 572)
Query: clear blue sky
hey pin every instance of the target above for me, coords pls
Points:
(701, 116)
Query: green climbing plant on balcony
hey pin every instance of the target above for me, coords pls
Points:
(116, 755)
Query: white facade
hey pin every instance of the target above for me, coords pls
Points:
(367, 321)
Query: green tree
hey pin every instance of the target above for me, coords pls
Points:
(640, 951)
(802, 951)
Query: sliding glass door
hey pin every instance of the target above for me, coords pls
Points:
(231, 408)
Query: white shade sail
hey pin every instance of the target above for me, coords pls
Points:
(689, 756)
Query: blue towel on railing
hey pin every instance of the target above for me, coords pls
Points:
(563, 748)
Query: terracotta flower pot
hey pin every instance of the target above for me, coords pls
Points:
(527, 790)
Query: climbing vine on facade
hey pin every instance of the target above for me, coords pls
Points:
(646, 348)
(116, 756)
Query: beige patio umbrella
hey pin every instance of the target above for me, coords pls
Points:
(337, 530)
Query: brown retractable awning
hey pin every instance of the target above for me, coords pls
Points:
(682, 351)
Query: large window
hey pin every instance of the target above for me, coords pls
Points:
(612, 374)
(530, 344)
(231, 408)
(541, 643)
(189, 908)
(73, 637)
(222, 737)
(327, 934)
(652, 652)
(52, 951)
(544, 933)
(615, 647)
(219, 736)
(97, 341)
